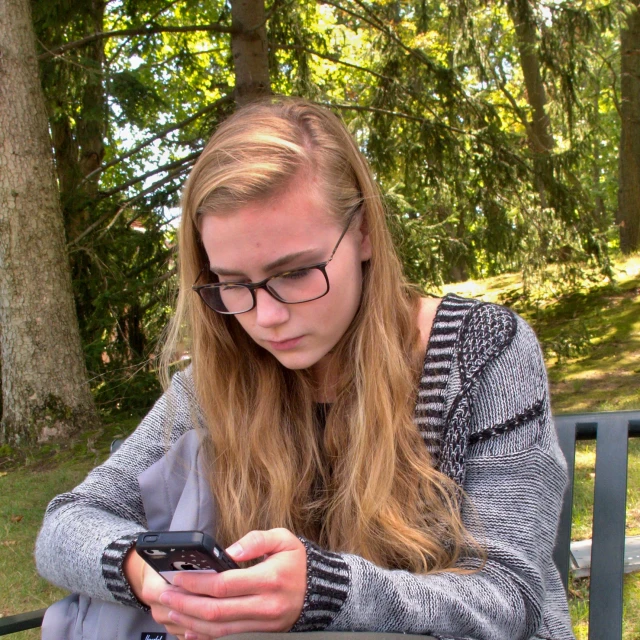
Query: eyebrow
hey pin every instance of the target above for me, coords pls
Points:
(280, 262)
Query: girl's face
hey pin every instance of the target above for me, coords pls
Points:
(290, 231)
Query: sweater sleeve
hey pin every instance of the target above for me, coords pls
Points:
(515, 477)
(88, 531)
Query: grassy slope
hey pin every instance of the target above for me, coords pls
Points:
(600, 323)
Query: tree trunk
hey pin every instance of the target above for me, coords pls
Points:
(44, 382)
(91, 127)
(78, 147)
(539, 132)
(250, 50)
(628, 216)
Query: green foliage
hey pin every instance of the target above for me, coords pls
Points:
(433, 92)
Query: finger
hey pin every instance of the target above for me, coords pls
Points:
(263, 543)
(161, 615)
(227, 584)
(217, 630)
(213, 609)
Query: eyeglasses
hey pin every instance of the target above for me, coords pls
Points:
(291, 287)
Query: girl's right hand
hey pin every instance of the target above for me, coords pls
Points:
(148, 586)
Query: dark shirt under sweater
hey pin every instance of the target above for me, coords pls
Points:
(483, 411)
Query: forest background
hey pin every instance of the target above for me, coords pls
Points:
(505, 136)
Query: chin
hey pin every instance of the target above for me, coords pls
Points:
(297, 361)
(295, 364)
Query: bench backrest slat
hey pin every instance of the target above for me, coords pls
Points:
(611, 432)
(566, 429)
(609, 515)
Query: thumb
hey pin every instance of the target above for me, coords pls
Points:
(257, 544)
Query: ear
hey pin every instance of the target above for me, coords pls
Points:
(365, 241)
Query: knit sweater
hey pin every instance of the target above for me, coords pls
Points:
(483, 411)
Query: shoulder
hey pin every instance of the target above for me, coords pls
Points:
(486, 331)
(493, 355)
(501, 364)
(497, 383)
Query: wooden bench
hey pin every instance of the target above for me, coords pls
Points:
(611, 432)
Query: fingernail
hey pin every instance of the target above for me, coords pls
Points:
(235, 550)
(173, 616)
(190, 636)
(165, 598)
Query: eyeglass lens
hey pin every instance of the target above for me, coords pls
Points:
(296, 286)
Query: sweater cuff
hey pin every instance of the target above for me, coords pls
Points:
(328, 581)
(113, 574)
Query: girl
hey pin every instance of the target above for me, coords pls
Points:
(390, 458)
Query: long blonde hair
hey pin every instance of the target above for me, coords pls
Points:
(366, 483)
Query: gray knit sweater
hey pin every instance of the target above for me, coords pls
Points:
(483, 410)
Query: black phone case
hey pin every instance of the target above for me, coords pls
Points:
(170, 552)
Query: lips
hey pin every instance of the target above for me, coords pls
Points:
(284, 345)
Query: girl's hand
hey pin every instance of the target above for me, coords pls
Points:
(148, 586)
(265, 597)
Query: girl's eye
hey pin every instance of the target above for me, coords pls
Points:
(296, 275)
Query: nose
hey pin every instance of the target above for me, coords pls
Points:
(269, 311)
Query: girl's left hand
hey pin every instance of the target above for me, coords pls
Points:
(265, 597)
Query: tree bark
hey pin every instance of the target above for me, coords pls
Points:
(250, 50)
(44, 382)
(628, 216)
(91, 128)
(539, 131)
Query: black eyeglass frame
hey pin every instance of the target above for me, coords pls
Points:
(252, 287)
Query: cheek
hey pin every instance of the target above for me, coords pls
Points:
(346, 297)
(244, 320)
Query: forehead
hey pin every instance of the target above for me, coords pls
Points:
(258, 233)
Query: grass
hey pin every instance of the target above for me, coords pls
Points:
(590, 335)
(591, 339)
(26, 493)
(27, 485)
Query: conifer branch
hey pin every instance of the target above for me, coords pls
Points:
(161, 134)
(332, 58)
(148, 174)
(146, 30)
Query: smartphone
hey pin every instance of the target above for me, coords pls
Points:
(170, 552)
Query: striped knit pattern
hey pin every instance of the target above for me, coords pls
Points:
(327, 582)
(113, 574)
(441, 351)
